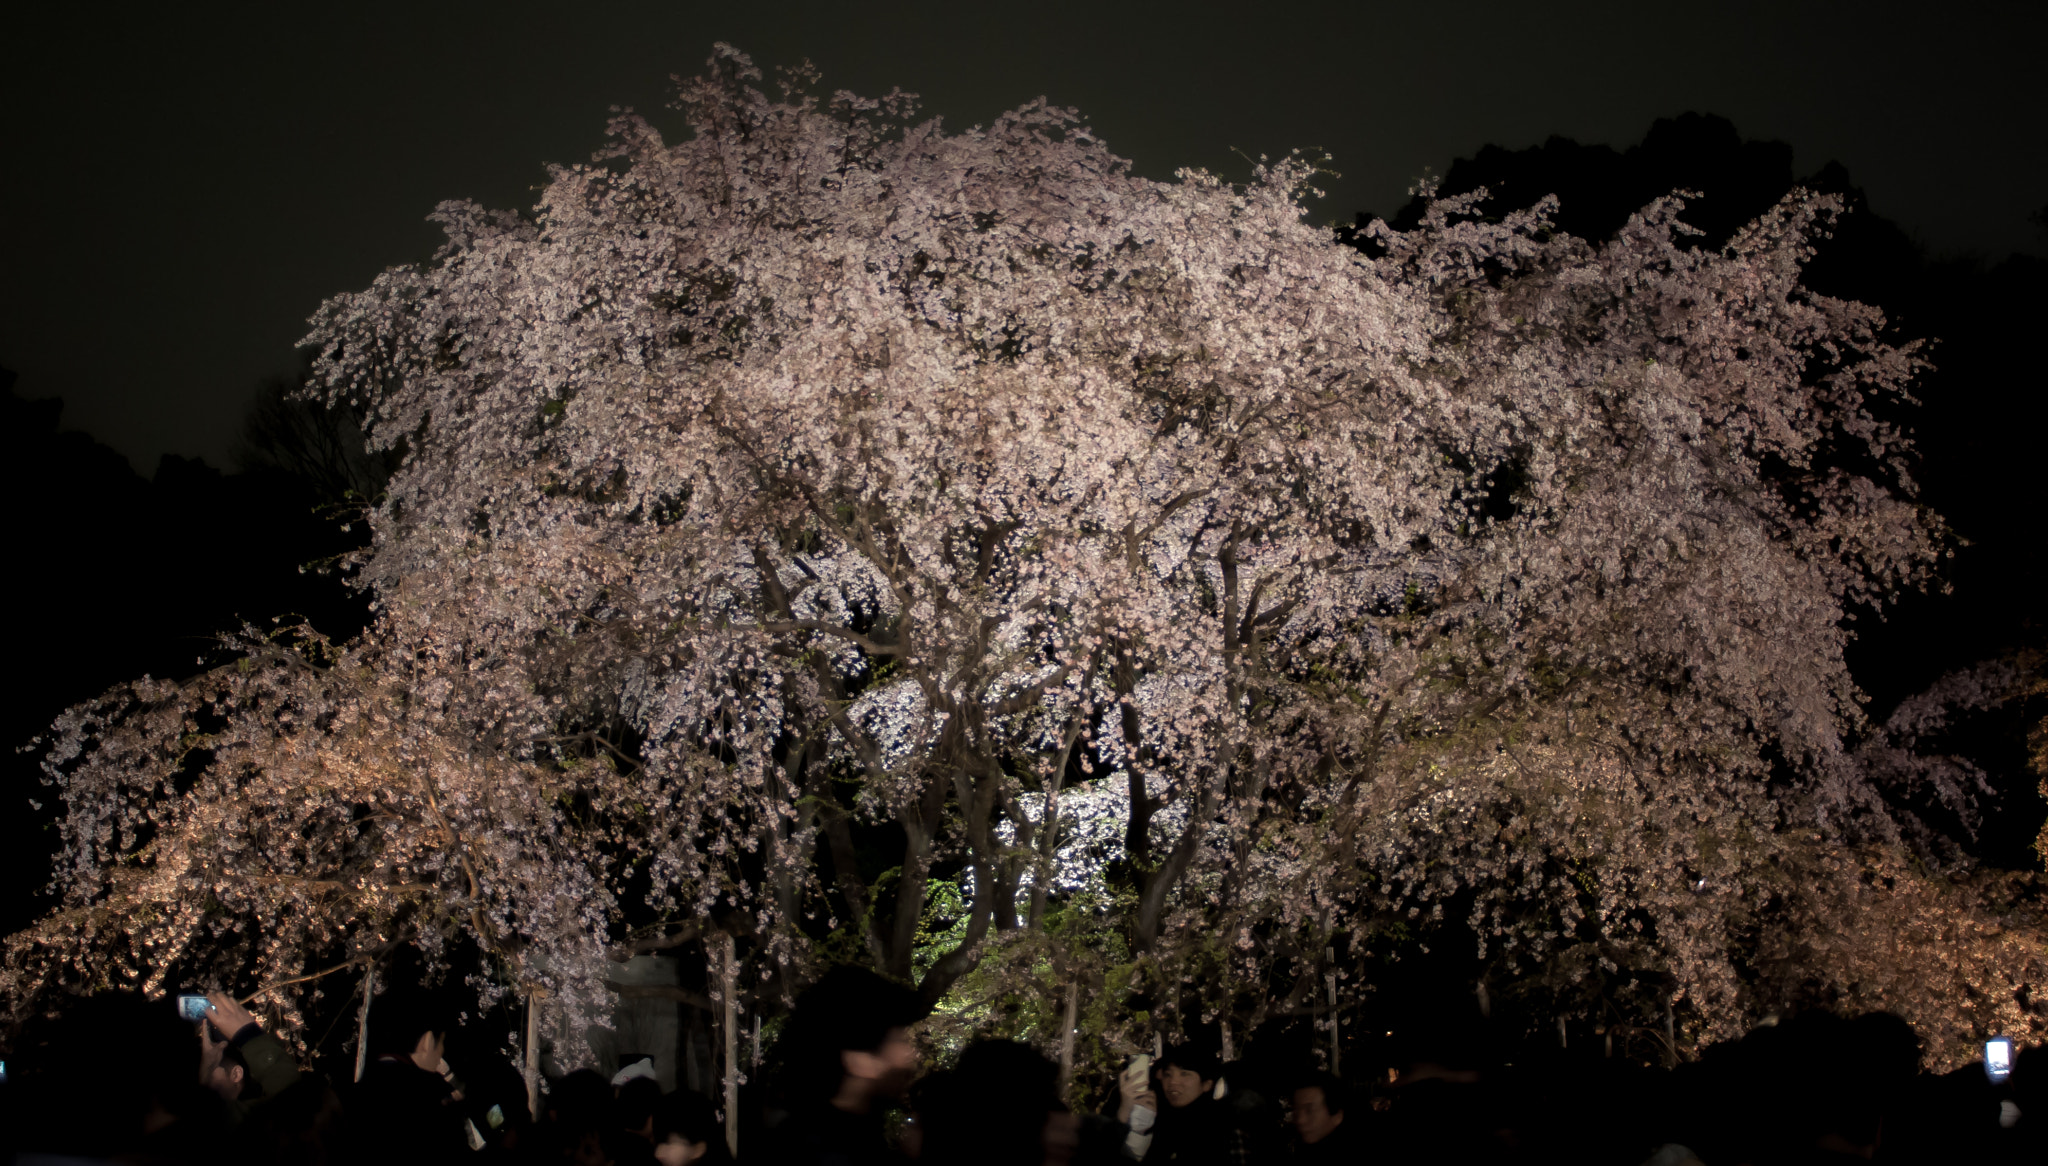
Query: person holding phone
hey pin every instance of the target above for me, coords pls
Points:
(238, 1060)
(406, 1109)
(1193, 1127)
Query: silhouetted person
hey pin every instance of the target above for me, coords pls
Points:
(578, 1110)
(687, 1131)
(407, 1109)
(633, 1106)
(112, 1076)
(1000, 1106)
(629, 1133)
(494, 1099)
(846, 1058)
(1440, 1111)
(303, 1125)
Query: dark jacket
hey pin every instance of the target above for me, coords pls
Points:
(402, 1114)
(271, 1070)
(1345, 1146)
(1204, 1132)
(826, 1135)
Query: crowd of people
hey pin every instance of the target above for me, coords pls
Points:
(121, 1079)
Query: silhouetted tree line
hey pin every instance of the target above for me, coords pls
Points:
(1979, 425)
(116, 575)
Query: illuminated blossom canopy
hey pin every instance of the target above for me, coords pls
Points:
(825, 476)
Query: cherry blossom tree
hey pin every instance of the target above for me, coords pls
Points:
(1200, 591)
(305, 804)
(2034, 665)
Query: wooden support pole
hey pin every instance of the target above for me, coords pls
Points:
(363, 1020)
(1336, 1025)
(533, 1052)
(754, 1062)
(1073, 1018)
(729, 997)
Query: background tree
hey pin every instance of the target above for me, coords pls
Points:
(137, 575)
(288, 434)
(827, 526)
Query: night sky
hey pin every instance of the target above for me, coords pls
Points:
(182, 191)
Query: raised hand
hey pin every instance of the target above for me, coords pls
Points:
(227, 1014)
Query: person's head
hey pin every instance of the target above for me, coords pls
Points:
(1003, 1075)
(494, 1098)
(580, 1101)
(223, 1070)
(998, 1107)
(301, 1125)
(848, 1042)
(1868, 1060)
(687, 1130)
(64, 1098)
(1318, 1107)
(1887, 1048)
(633, 1111)
(1186, 1074)
(406, 1025)
(589, 1149)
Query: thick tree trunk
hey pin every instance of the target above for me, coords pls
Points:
(1047, 839)
(846, 872)
(995, 888)
(1006, 895)
(912, 885)
(1138, 827)
(1160, 881)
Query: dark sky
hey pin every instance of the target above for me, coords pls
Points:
(182, 190)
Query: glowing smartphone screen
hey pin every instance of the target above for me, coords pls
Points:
(1998, 1059)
